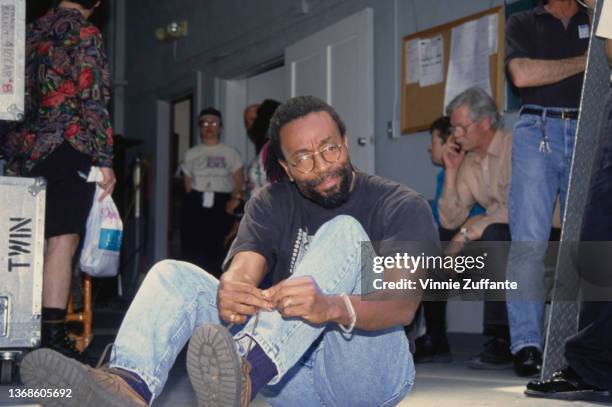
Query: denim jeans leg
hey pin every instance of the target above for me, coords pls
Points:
(568, 128)
(533, 187)
(349, 371)
(334, 261)
(174, 299)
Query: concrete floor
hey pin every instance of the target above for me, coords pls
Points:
(437, 385)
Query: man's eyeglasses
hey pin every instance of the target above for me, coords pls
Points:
(464, 129)
(305, 163)
(209, 124)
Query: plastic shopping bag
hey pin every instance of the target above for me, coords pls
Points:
(103, 235)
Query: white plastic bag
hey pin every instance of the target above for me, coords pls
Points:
(103, 235)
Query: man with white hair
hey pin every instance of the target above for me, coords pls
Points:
(477, 164)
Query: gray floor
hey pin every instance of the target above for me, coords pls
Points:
(437, 385)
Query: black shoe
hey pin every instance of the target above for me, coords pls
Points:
(496, 355)
(528, 361)
(54, 337)
(431, 349)
(567, 385)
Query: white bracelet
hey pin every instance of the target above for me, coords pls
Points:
(352, 314)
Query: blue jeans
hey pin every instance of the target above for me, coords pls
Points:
(541, 159)
(358, 369)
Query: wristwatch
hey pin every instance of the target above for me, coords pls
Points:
(463, 231)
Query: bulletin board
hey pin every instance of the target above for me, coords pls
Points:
(423, 101)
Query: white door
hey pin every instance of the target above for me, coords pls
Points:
(236, 94)
(336, 65)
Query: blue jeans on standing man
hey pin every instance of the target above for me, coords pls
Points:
(317, 364)
(542, 149)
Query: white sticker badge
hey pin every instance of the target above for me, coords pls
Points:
(583, 31)
(208, 199)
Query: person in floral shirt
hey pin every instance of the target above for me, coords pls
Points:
(66, 130)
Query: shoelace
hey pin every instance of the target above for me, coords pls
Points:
(112, 370)
(101, 363)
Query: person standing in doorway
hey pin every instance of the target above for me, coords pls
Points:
(214, 188)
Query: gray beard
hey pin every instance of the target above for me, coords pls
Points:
(333, 199)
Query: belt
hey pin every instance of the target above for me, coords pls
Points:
(565, 114)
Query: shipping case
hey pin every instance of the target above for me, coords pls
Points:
(22, 239)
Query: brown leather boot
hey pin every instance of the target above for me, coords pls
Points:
(77, 384)
(219, 376)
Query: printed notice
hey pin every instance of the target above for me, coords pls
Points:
(431, 68)
(471, 45)
(493, 21)
(412, 62)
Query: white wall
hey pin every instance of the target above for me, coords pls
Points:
(267, 85)
(235, 94)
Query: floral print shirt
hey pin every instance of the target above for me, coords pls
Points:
(67, 90)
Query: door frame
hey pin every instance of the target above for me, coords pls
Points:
(190, 84)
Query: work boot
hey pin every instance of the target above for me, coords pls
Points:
(76, 384)
(53, 336)
(219, 376)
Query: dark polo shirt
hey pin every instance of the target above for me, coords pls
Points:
(537, 34)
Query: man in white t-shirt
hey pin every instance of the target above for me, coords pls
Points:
(213, 185)
(588, 374)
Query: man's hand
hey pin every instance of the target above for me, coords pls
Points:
(452, 155)
(301, 297)
(232, 204)
(455, 245)
(108, 182)
(472, 232)
(237, 301)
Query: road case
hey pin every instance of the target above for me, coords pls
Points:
(22, 223)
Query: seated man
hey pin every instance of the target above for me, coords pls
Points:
(433, 346)
(297, 345)
(477, 164)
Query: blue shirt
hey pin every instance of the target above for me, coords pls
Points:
(476, 209)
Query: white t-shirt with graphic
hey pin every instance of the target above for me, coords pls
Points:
(211, 168)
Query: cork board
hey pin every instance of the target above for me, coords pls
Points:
(421, 105)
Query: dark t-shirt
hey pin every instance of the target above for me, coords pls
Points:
(537, 34)
(279, 222)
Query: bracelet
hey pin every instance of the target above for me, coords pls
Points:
(352, 314)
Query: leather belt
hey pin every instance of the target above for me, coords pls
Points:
(556, 114)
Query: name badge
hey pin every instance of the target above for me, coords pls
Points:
(583, 31)
(208, 199)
